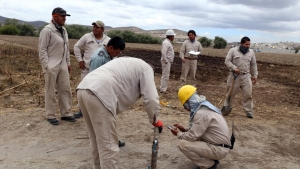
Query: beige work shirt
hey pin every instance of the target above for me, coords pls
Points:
(207, 126)
(90, 44)
(53, 47)
(121, 82)
(167, 51)
(188, 46)
(246, 63)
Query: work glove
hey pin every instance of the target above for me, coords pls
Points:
(159, 124)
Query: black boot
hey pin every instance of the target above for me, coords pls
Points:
(215, 165)
(78, 114)
(121, 143)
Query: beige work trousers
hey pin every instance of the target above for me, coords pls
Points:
(101, 125)
(165, 75)
(243, 82)
(57, 78)
(188, 67)
(84, 72)
(201, 153)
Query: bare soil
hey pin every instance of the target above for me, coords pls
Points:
(268, 141)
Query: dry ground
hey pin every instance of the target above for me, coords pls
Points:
(270, 140)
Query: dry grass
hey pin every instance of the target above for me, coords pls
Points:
(276, 58)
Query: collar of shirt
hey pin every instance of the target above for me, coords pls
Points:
(169, 40)
(100, 40)
(102, 48)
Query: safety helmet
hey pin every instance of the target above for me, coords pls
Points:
(185, 92)
(170, 32)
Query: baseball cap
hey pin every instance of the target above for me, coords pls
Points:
(99, 24)
(60, 11)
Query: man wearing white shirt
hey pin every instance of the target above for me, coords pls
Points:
(90, 42)
(167, 58)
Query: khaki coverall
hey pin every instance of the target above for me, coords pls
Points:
(54, 56)
(199, 143)
(89, 42)
(246, 63)
(167, 58)
(190, 64)
(108, 91)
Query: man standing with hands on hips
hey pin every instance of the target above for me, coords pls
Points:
(54, 56)
(189, 61)
(91, 42)
(167, 58)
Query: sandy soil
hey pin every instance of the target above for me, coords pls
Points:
(269, 141)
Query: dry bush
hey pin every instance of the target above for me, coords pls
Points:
(18, 66)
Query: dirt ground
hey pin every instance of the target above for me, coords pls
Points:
(268, 141)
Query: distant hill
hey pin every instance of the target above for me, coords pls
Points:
(180, 34)
(36, 24)
(129, 28)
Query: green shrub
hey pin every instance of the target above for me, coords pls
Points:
(131, 37)
(26, 30)
(205, 42)
(9, 30)
(77, 31)
(220, 43)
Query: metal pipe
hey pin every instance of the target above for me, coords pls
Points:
(155, 148)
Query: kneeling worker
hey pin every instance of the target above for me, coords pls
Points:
(106, 92)
(207, 140)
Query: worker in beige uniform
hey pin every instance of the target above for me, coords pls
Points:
(167, 58)
(54, 56)
(207, 139)
(90, 42)
(241, 61)
(189, 61)
(108, 91)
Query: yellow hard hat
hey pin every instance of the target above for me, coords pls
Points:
(185, 92)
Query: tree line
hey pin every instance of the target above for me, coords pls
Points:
(14, 27)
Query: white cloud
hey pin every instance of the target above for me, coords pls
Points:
(204, 34)
(270, 17)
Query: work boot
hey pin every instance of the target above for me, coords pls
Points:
(214, 166)
(68, 118)
(249, 115)
(164, 92)
(78, 114)
(121, 143)
(53, 121)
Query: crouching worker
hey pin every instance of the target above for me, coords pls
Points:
(106, 92)
(207, 140)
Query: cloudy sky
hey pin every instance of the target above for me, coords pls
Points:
(260, 20)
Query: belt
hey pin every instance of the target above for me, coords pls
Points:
(190, 58)
(223, 145)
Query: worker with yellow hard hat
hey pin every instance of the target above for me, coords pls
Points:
(207, 139)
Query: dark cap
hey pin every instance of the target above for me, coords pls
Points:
(60, 11)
